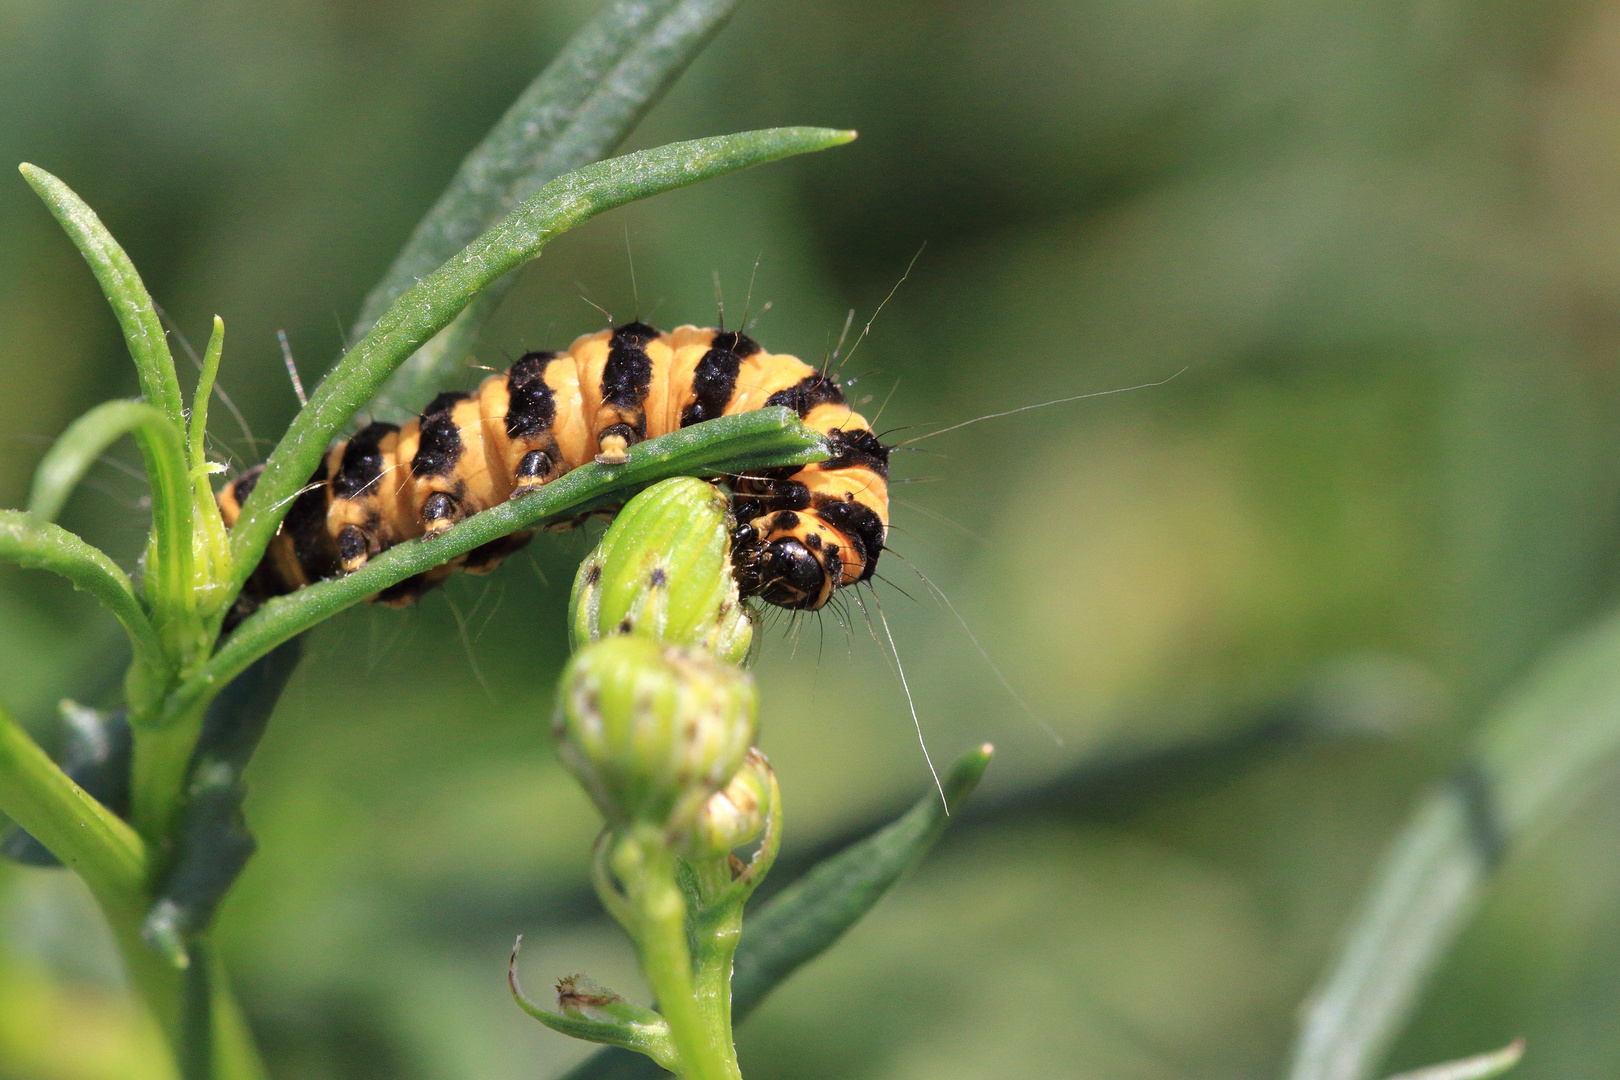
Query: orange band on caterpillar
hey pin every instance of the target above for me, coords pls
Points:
(802, 532)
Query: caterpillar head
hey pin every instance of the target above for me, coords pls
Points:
(791, 560)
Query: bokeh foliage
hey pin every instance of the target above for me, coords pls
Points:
(1263, 604)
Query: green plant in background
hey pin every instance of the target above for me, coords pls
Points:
(193, 570)
(1523, 767)
(197, 704)
(190, 578)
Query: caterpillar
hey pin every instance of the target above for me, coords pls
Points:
(801, 533)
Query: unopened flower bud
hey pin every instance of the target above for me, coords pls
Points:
(652, 730)
(663, 571)
(735, 814)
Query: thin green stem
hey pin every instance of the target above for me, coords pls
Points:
(808, 916)
(197, 1015)
(711, 977)
(158, 778)
(106, 853)
(716, 925)
(646, 866)
(235, 1055)
(113, 861)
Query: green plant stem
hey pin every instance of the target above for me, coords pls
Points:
(162, 756)
(78, 830)
(112, 860)
(806, 918)
(426, 308)
(236, 1057)
(711, 974)
(716, 929)
(646, 866)
(106, 853)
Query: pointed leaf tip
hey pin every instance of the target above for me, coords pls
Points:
(967, 772)
(1479, 1067)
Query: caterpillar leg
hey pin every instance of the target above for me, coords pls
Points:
(356, 546)
(613, 446)
(439, 513)
(535, 469)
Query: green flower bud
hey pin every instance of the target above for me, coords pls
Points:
(651, 730)
(663, 571)
(734, 815)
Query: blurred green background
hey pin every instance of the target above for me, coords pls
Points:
(1262, 605)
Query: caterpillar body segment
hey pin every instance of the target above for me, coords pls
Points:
(802, 532)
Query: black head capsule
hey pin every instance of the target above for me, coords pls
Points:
(791, 576)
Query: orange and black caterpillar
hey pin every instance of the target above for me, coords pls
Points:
(801, 532)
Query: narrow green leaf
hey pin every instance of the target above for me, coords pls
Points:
(582, 106)
(94, 749)
(803, 920)
(1535, 758)
(78, 830)
(763, 438)
(598, 1015)
(77, 448)
(168, 580)
(426, 308)
(42, 545)
(1478, 1067)
(212, 561)
(125, 292)
(809, 915)
(197, 429)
